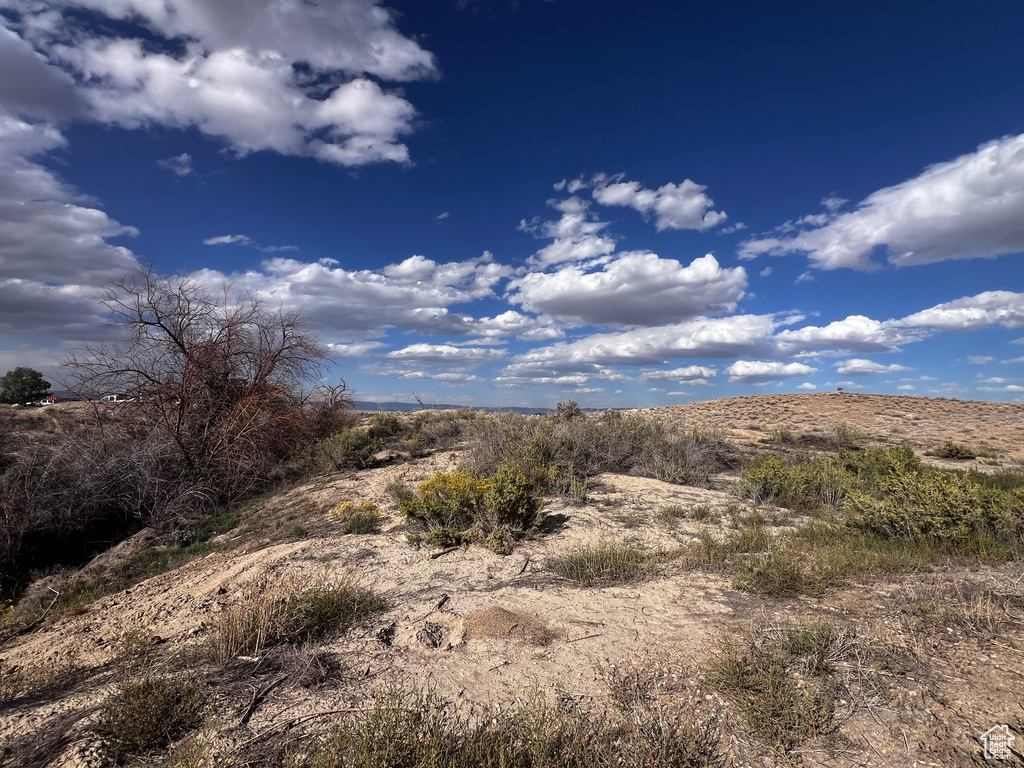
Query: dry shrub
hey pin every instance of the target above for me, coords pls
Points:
(630, 688)
(975, 610)
(783, 683)
(583, 446)
(410, 729)
(35, 682)
(64, 500)
(145, 716)
(310, 666)
(291, 608)
(439, 430)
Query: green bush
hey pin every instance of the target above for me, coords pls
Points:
(448, 499)
(824, 481)
(144, 717)
(384, 425)
(768, 481)
(457, 507)
(951, 450)
(511, 499)
(941, 506)
(348, 448)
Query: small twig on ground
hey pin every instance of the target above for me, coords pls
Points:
(585, 637)
(498, 666)
(445, 551)
(872, 746)
(437, 606)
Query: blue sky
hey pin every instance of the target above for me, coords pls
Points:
(515, 203)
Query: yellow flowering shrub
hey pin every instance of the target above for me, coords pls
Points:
(357, 517)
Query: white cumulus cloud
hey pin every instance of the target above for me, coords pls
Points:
(634, 288)
(576, 236)
(699, 338)
(228, 240)
(673, 206)
(970, 207)
(861, 367)
(690, 374)
(761, 372)
(414, 294)
(55, 249)
(855, 333)
(291, 77)
(445, 354)
(1003, 308)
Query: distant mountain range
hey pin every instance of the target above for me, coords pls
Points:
(367, 405)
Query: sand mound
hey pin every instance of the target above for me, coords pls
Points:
(498, 622)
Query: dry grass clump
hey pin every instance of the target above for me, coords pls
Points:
(357, 517)
(415, 730)
(500, 623)
(783, 683)
(146, 715)
(837, 437)
(975, 610)
(608, 562)
(712, 552)
(670, 515)
(786, 571)
(34, 682)
(292, 608)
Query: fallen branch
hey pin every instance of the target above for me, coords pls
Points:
(42, 616)
(258, 697)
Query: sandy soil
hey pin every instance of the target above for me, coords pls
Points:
(926, 423)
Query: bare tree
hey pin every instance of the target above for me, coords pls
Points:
(226, 380)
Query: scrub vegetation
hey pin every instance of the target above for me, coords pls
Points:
(229, 557)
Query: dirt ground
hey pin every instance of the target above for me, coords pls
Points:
(924, 422)
(487, 630)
